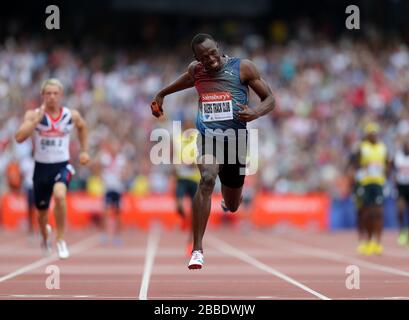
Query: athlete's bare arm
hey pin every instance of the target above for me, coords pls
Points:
(31, 119)
(81, 126)
(185, 81)
(250, 75)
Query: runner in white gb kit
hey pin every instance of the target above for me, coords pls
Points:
(50, 126)
(114, 163)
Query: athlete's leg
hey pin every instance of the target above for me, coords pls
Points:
(191, 193)
(367, 211)
(192, 189)
(179, 207)
(180, 192)
(42, 193)
(105, 215)
(117, 215)
(360, 225)
(202, 200)
(401, 211)
(42, 218)
(30, 211)
(362, 230)
(378, 215)
(401, 206)
(232, 197)
(231, 175)
(367, 221)
(60, 209)
(377, 222)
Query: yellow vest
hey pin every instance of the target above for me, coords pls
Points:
(373, 163)
(140, 186)
(95, 186)
(185, 157)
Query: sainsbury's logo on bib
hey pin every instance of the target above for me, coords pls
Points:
(215, 96)
(216, 106)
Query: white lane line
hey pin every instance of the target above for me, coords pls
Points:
(398, 252)
(34, 296)
(228, 249)
(151, 247)
(329, 255)
(404, 254)
(76, 248)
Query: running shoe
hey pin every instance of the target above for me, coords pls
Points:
(196, 261)
(403, 238)
(361, 248)
(369, 248)
(377, 248)
(374, 247)
(62, 249)
(223, 205)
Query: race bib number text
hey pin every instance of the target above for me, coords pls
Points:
(217, 106)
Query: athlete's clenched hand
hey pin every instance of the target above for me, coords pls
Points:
(84, 157)
(246, 114)
(156, 106)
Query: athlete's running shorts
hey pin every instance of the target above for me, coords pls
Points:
(185, 187)
(45, 176)
(373, 195)
(113, 198)
(403, 191)
(231, 174)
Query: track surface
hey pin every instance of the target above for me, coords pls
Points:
(261, 264)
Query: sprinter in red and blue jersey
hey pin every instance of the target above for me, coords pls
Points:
(222, 84)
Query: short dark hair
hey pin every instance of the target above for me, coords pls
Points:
(200, 38)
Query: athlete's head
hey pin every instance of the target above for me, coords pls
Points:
(371, 131)
(52, 92)
(206, 51)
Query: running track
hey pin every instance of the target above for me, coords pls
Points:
(262, 264)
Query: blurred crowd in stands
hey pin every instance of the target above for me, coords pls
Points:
(326, 91)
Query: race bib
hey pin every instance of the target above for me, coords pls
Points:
(52, 144)
(216, 106)
(375, 170)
